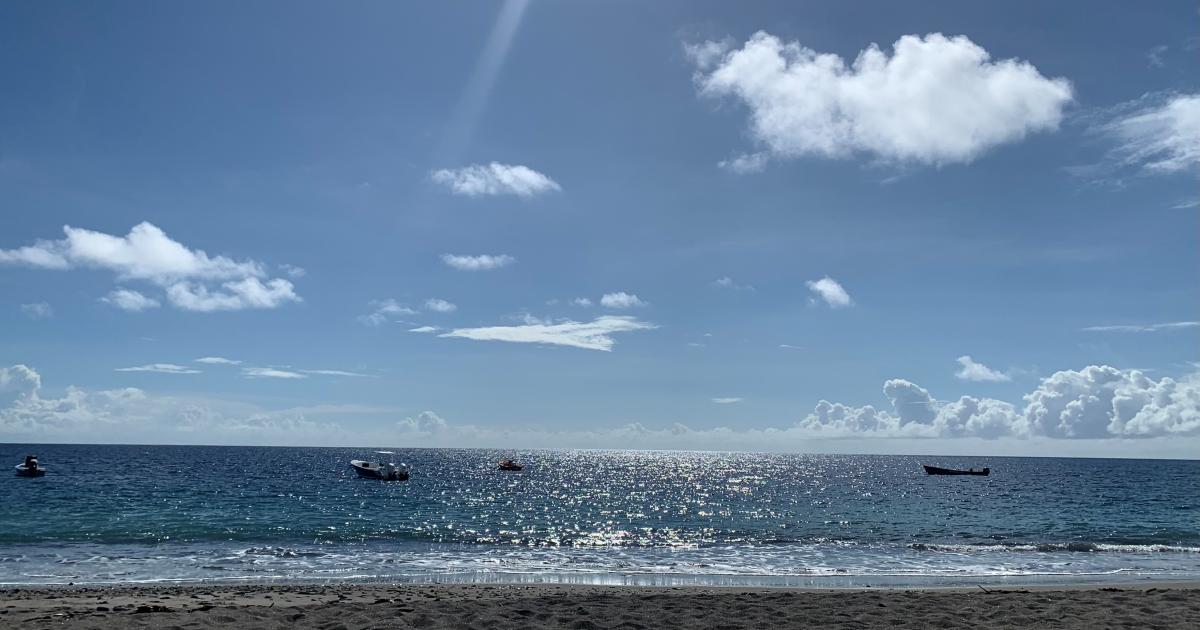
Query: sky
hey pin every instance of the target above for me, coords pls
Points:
(934, 228)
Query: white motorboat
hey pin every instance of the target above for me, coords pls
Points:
(384, 469)
(30, 468)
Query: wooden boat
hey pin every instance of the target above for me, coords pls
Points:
(934, 470)
(508, 464)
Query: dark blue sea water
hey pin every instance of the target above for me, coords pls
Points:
(166, 513)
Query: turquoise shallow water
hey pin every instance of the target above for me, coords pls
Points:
(136, 513)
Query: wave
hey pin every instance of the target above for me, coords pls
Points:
(1077, 546)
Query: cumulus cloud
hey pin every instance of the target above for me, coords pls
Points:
(192, 279)
(593, 335)
(218, 361)
(383, 311)
(129, 300)
(621, 300)
(831, 292)
(424, 423)
(482, 262)
(974, 371)
(495, 179)
(161, 368)
(131, 415)
(439, 305)
(37, 310)
(1157, 134)
(1097, 402)
(935, 100)
(270, 372)
(1143, 328)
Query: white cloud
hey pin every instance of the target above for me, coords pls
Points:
(1097, 402)
(425, 423)
(621, 300)
(482, 262)
(972, 371)
(725, 282)
(424, 329)
(788, 346)
(148, 254)
(269, 372)
(336, 373)
(161, 368)
(831, 292)
(495, 179)
(935, 100)
(239, 294)
(439, 305)
(383, 311)
(129, 300)
(1155, 57)
(1143, 328)
(593, 335)
(37, 310)
(1155, 134)
(729, 400)
(293, 270)
(581, 301)
(745, 163)
(218, 361)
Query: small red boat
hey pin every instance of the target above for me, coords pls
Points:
(508, 464)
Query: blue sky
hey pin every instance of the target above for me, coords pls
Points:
(774, 225)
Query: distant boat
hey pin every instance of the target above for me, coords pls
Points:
(383, 470)
(508, 464)
(30, 468)
(934, 470)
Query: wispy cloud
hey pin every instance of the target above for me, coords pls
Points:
(831, 292)
(727, 400)
(383, 311)
(129, 300)
(745, 163)
(218, 361)
(192, 280)
(1157, 134)
(974, 371)
(269, 372)
(37, 310)
(439, 305)
(337, 373)
(424, 329)
(495, 179)
(482, 262)
(725, 282)
(621, 300)
(160, 368)
(593, 335)
(581, 301)
(1142, 328)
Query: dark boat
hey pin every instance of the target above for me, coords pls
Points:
(508, 464)
(934, 470)
(30, 468)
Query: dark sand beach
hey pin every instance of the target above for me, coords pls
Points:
(1174, 605)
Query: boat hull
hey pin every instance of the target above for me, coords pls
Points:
(934, 470)
(22, 471)
(367, 471)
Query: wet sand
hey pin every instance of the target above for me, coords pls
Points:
(346, 606)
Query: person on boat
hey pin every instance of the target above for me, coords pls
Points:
(31, 462)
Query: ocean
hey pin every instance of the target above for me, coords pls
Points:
(107, 514)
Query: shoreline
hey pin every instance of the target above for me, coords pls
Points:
(351, 605)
